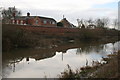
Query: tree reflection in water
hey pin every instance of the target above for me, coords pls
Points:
(97, 48)
(14, 57)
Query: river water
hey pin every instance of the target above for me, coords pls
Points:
(49, 62)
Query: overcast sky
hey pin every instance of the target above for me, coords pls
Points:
(72, 9)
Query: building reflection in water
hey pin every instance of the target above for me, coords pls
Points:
(44, 53)
(14, 66)
(27, 60)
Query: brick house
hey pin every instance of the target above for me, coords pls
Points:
(66, 23)
(34, 21)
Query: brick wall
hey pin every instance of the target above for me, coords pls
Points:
(35, 21)
(41, 22)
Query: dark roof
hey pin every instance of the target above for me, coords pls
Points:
(66, 22)
(46, 18)
(21, 17)
(25, 17)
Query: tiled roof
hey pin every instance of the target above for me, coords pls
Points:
(66, 22)
(25, 17)
(47, 18)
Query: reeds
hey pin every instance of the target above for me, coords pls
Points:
(108, 69)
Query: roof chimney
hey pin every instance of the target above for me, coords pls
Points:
(28, 14)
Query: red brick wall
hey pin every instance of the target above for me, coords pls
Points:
(32, 21)
(53, 31)
(48, 23)
(19, 22)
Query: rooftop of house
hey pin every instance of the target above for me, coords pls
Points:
(25, 17)
(66, 22)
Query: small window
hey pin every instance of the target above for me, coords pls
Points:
(44, 21)
(13, 21)
(21, 22)
(53, 22)
(17, 21)
(36, 21)
(49, 22)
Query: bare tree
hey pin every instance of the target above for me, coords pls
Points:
(105, 21)
(10, 12)
(90, 21)
(81, 23)
(102, 23)
(99, 23)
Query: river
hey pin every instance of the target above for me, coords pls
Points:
(50, 61)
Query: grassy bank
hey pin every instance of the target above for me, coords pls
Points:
(16, 37)
(108, 69)
(25, 37)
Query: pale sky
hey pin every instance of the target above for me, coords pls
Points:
(71, 9)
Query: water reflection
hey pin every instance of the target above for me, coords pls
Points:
(113, 47)
(50, 61)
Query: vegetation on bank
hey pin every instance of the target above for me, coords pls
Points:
(16, 37)
(108, 69)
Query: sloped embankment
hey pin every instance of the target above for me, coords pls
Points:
(30, 36)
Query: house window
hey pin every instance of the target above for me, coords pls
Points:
(44, 21)
(36, 21)
(13, 21)
(21, 22)
(50, 22)
(17, 21)
(53, 22)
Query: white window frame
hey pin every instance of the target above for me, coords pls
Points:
(13, 22)
(17, 21)
(45, 22)
(36, 21)
(21, 22)
(53, 22)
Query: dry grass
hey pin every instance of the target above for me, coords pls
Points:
(25, 36)
(109, 70)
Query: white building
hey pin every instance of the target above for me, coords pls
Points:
(119, 15)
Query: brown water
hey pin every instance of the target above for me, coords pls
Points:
(49, 61)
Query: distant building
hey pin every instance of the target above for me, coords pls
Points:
(119, 15)
(66, 23)
(91, 26)
(33, 20)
